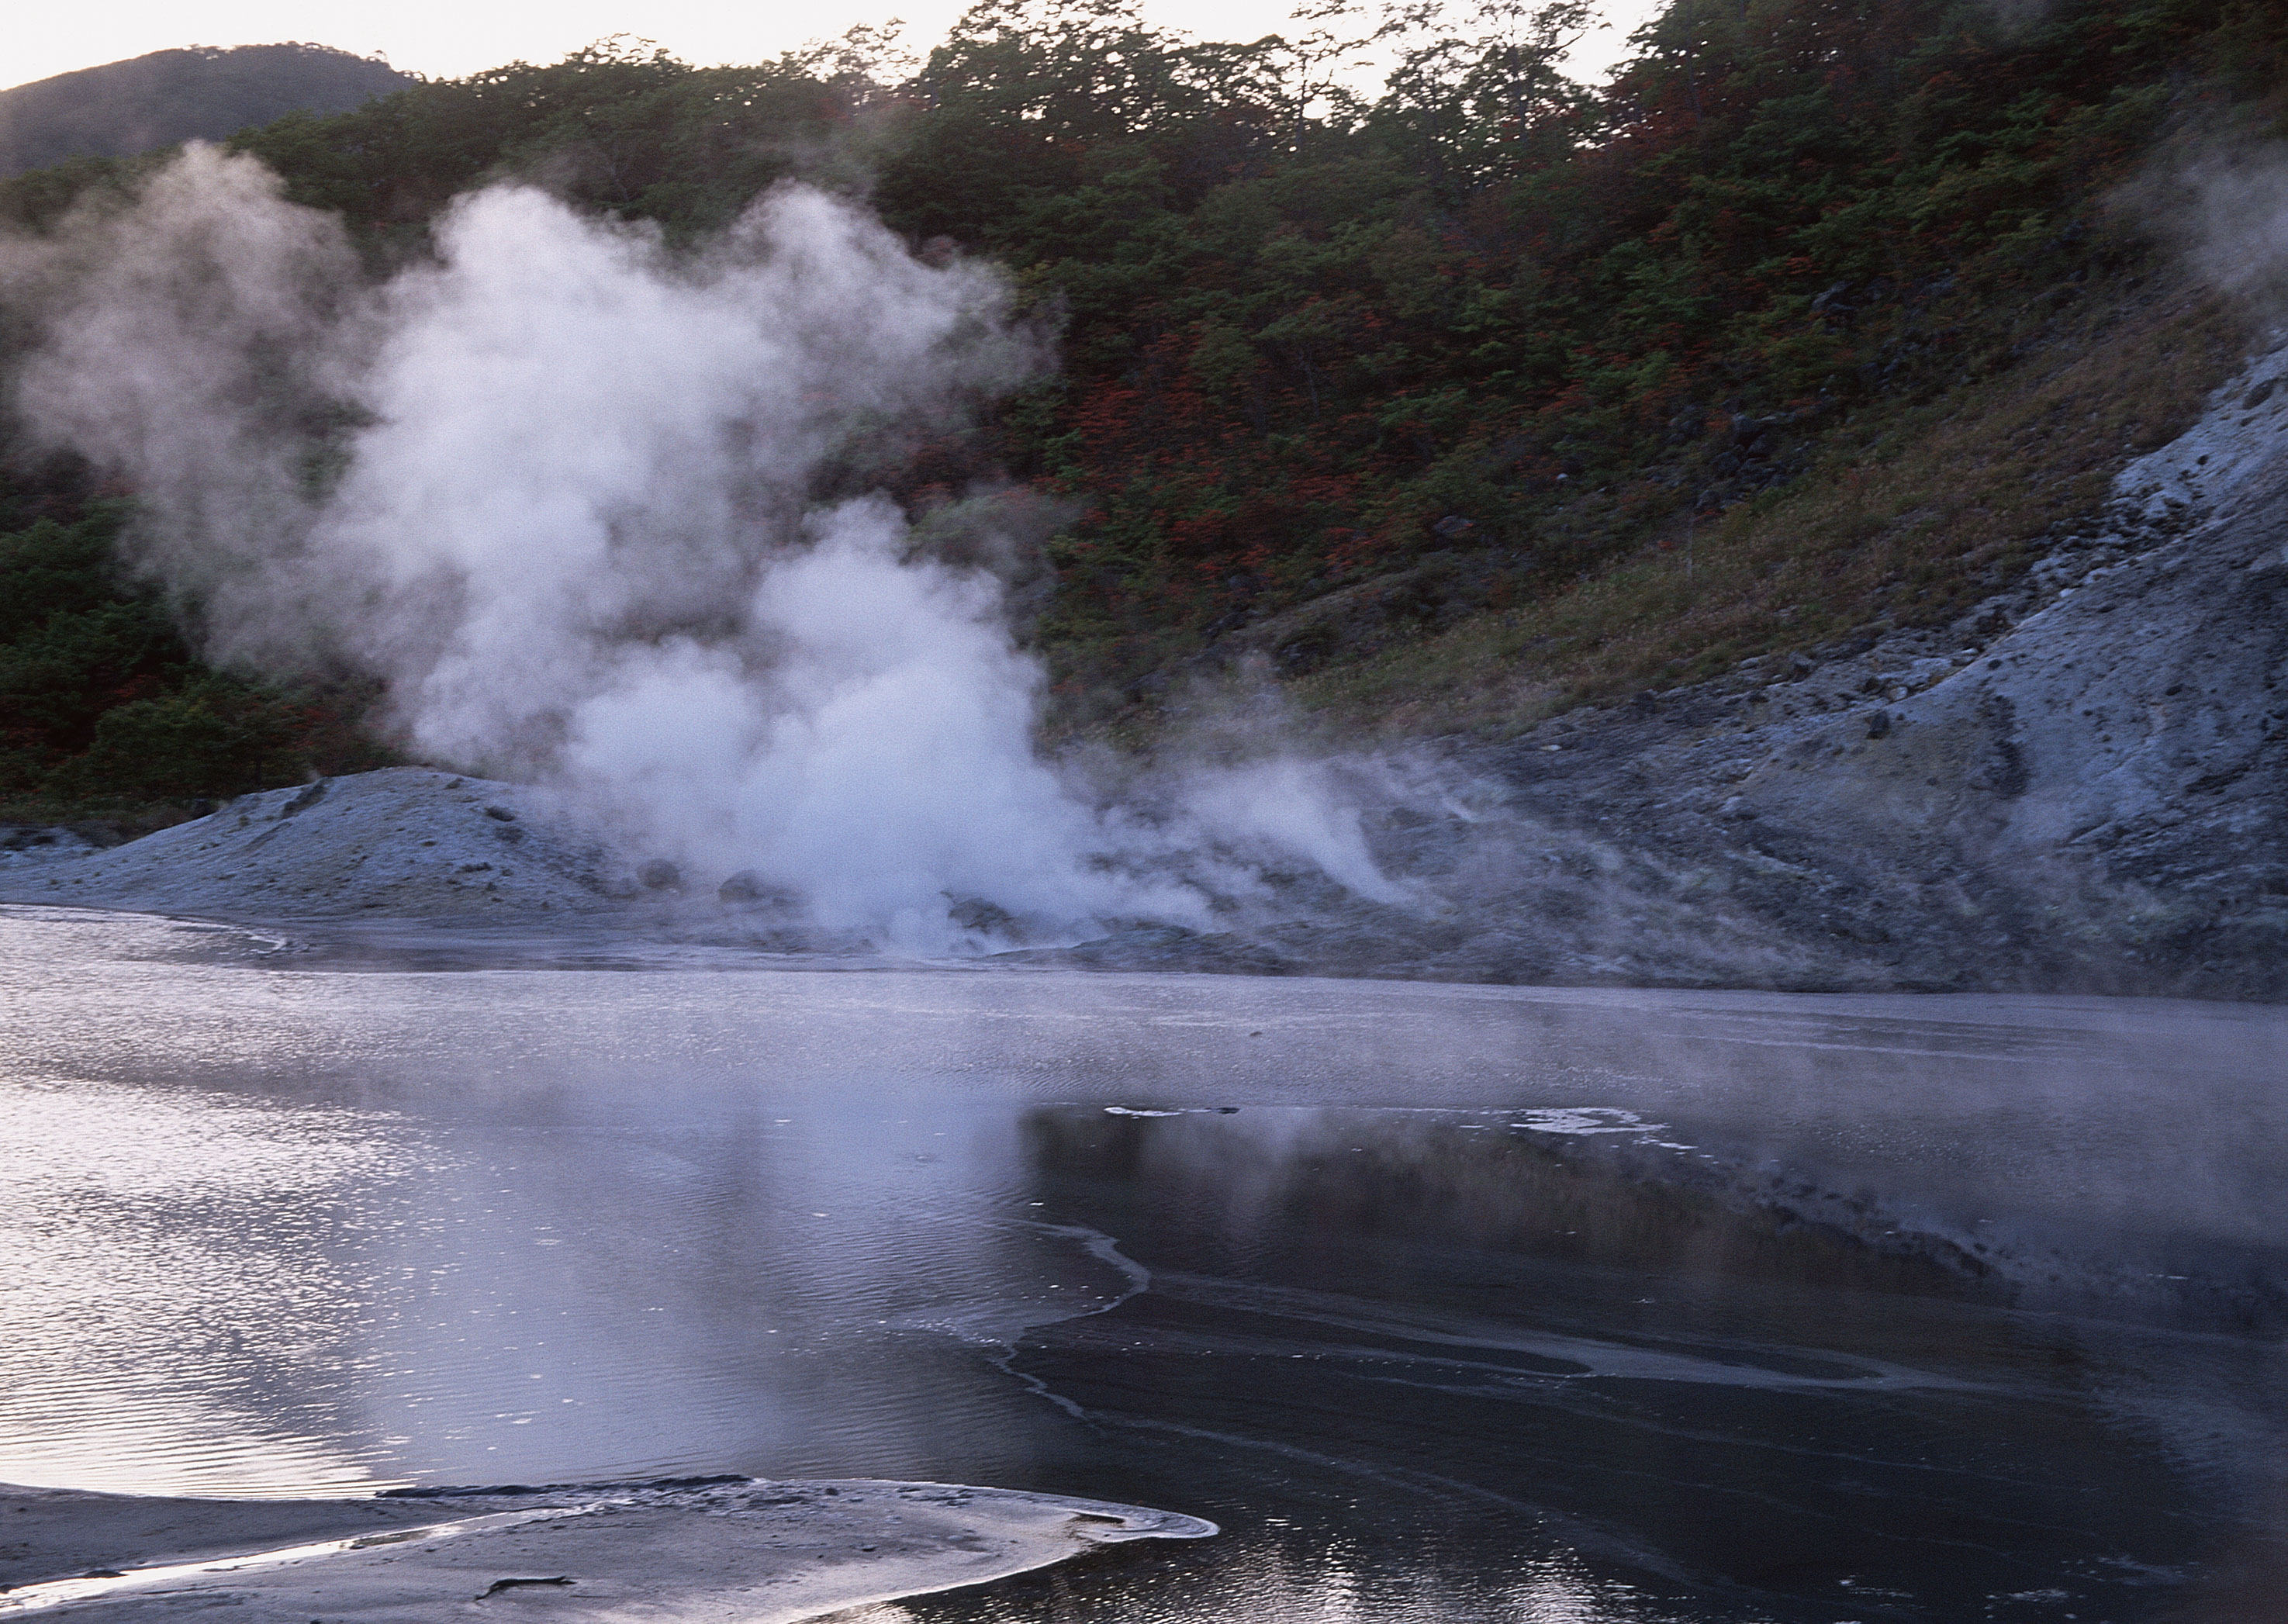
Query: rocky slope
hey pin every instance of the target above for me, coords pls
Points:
(2082, 784)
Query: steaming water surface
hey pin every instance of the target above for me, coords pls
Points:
(1446, 1302)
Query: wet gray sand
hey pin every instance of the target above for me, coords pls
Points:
(736, 1551)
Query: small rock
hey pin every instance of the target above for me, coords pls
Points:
(976, 914)
(54, 839)
(749, 890)
(499, 1585)
(660, 874)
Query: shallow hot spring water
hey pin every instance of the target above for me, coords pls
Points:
(1447, 1302)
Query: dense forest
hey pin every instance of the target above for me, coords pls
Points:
(1480, 394)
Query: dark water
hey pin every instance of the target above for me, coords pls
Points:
(1447, 1302)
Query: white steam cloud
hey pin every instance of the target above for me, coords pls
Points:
(557, 486)
(2233, 205)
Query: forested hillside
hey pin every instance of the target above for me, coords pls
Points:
(1448, 405)
(123, 108)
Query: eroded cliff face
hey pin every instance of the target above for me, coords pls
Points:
(2082, 785)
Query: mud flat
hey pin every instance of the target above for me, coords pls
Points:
(739, 1550)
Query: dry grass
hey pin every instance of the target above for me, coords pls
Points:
(1911, 514)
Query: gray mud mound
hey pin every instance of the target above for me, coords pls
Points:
(406, 843)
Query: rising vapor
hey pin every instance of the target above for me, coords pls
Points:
(2231, 206)
(564, 491)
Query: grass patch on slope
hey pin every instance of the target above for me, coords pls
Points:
(1911, 514)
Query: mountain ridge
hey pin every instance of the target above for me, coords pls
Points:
(196, 92)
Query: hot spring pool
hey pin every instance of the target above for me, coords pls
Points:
(1446, 1302)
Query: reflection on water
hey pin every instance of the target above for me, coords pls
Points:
(1331, 1582)
(1717, 1408)
(133, 1359)
(1446, 1302)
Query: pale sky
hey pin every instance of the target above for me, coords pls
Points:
(446, 38)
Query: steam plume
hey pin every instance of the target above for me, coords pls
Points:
(2229, 205)
(569, 494)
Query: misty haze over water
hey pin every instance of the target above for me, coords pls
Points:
(1445, 1302)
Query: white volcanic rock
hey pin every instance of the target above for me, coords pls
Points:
(2119, 758)
(2082, 784)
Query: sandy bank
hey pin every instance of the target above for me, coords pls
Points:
(743, 1550)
